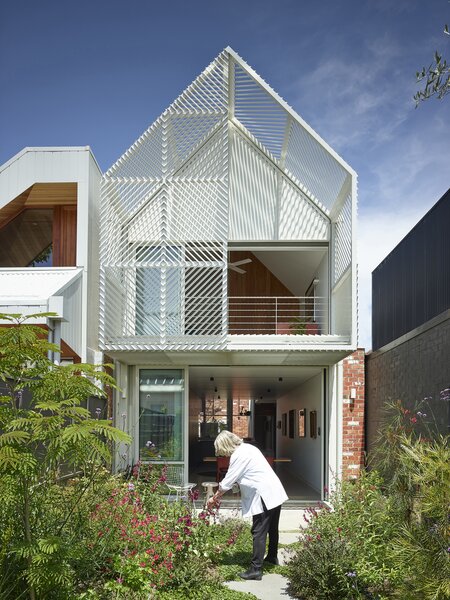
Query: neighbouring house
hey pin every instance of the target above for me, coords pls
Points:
(410, 360)
(214, 264)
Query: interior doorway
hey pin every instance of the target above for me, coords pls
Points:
(265, 427)
(253, 402)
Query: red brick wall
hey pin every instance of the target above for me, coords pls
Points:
(353, 415)
(240, 424)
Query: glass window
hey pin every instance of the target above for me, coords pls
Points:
(161, 410)
(213, 418)
(26, 238)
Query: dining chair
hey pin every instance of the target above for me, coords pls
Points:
(222, 464)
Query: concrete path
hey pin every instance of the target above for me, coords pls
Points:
(274, 586)
(271, 587)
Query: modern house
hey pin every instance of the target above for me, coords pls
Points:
(219, 278)
(410, 360)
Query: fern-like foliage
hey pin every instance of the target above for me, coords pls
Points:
(45, 434)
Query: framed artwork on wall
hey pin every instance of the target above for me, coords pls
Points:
(284, 424)
(302, 422)
(292, 424)
(313, 424)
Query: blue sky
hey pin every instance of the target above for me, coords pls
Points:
(98, 73)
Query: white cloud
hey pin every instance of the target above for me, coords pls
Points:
(409, 177)
(359, 100)
(378, 234)
(364, 108)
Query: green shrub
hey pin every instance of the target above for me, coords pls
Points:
(39, 444)
(422, 545)
(343, 553)
(387, 535)
(415, 464)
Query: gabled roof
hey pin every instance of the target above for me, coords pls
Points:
(288, 108)
(230, 90)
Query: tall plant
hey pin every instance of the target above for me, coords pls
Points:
(415, 462)
(41, 443)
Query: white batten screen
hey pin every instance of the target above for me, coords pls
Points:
(227, 161)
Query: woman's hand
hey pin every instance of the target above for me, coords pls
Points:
(214, 500)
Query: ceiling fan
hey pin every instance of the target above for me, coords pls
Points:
(235, 266)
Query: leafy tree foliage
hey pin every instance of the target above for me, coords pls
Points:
(40, 444)
(436, 77)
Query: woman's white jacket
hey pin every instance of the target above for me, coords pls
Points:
(256, 478)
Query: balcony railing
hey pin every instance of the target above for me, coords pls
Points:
(247, 315)
(277, 315)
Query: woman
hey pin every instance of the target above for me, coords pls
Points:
(262, 496)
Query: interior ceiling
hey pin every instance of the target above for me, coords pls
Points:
(248, 383)
(294, 268)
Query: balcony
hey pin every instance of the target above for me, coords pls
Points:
(277, 315)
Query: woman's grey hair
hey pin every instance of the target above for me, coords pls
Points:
(226, 443)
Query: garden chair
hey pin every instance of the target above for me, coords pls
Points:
(178, 488)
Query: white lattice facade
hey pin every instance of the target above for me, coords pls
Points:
(229, 162)
(215, 269)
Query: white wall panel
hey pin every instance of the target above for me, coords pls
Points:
(299, 218)
(305, 452)
(154, 237)
(71, 332)
(209, 158)
(253, 193)
(39, 165)
(146, 226)
(342, 306)
(197, 197)
(343, 240)
(259, 112)
(314, 167)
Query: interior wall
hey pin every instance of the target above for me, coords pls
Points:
(305, 452)
(258, 280)
(64, 236)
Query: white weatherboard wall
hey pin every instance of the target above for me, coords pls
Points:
(91, 291)
(77, 165)
(305, 452)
